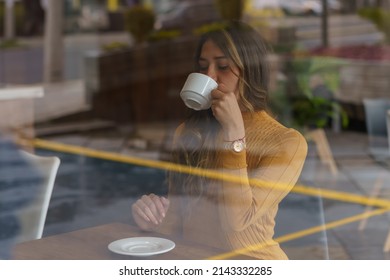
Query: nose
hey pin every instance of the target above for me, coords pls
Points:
(212, 73)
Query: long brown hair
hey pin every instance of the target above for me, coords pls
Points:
(196, 146)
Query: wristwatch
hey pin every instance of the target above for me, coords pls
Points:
(237, 145)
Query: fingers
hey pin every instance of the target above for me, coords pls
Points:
(226, 110)
(165, 202)
(146, 208)
(219, 92)
(221, 96)
(151, 208)
(223, 103)
(158, 204)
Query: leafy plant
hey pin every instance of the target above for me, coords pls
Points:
(115, 46)
(230, 9)
(315, 106)
(209, 27)
(139, 22)
(316, 112)
(380, 17)
(164, 35)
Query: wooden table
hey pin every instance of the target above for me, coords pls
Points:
(91, 244)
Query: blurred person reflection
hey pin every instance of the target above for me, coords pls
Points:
(238, 137)
(18, 184)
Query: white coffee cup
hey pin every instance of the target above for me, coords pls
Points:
(196, 92)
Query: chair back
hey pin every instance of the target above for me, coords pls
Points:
(375, 112)
(33, 217)
(375, 115)
(388, 127)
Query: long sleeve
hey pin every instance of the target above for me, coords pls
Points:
(259, 187)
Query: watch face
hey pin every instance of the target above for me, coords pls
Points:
(238, 146)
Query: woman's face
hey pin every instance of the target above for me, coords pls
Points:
(213, 63)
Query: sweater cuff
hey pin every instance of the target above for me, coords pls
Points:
(233, 160)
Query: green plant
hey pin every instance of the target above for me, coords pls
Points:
(209, 27)
(314, 106)
(230, 9)
(317, 112)
(164, 35)
(115, 46)
(139, 22)
(380, 17)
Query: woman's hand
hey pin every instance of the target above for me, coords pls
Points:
(227, 111)
(149, 211)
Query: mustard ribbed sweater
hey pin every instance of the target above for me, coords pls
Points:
(239, 214)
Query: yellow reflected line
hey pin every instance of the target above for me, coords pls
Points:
(300, 234)
(329, 194)
(341, 196)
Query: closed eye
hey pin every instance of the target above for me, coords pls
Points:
(223, 67)
(203, 68)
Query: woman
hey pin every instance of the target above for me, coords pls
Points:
(260, 160)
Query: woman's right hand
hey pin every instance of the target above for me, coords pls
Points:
(227, 111)
(149, 211)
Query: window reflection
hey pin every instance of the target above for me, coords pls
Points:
(113, 94)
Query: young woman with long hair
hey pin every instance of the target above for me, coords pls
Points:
(258, 158)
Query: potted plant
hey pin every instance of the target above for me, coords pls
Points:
(316, 112)
(315, 81)
(230, 9)
(314, 106)
(378, 16)
(139, 22)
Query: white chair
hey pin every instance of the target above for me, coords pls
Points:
(33, 217)
(375, 113)
(383, 129)
(388, 127)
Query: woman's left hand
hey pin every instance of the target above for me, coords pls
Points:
(227, 111)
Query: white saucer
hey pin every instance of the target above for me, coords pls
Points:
(141, 246)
